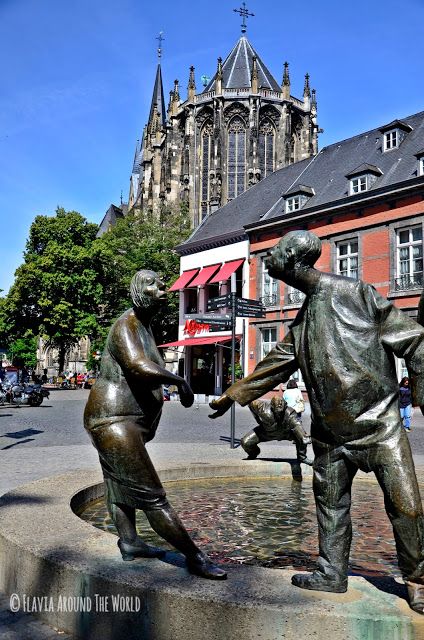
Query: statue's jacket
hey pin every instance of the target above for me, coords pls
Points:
(344, 340)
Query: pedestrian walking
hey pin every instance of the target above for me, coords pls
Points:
(405, 403)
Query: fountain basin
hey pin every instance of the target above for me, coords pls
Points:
(46, 550)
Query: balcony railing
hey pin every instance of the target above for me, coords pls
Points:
(295, 297)
(409, 281)
(269, 300)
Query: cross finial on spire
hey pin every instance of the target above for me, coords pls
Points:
(160, 39)
(243, 11)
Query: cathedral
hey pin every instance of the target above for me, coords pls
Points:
(207, 148)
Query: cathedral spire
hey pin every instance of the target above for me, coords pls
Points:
(158, 102)
(285, 87)
(191, 89)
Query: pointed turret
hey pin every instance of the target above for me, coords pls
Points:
(254, 76)
(175, 98)
(236, 70)
(191, 89)
(306, 88)
(158, 102)
(285, 87)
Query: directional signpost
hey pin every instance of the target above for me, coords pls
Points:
(242, 308)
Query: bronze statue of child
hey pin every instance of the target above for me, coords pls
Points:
(276, 421)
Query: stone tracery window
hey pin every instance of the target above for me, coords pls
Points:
(266, 139)
(206, 165)
(236, 157)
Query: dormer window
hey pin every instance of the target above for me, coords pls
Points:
(420, 158)
(362, 178)
(293, 204)
(394, 133)
(358, 184)
(391, 140)
(297, 197)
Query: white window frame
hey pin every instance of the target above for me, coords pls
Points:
(358, 184)
(391, 139)
(293, 203)
(421, 166)
(350, 256)
(410, 280)
(267, 345)
(269, 286)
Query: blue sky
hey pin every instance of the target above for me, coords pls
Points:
(76, 82)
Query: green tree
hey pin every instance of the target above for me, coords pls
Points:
(23, 351)
(56, 291)
(140, 242)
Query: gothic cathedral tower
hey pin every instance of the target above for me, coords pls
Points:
(209, 148)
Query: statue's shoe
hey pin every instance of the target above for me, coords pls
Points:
(317, 581)
(200, 565)
(416, 596)
(139, 550)
(252, 451)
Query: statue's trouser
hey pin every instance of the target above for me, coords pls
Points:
(131, 483)
(334, 470)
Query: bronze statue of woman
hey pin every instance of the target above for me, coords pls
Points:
(122, 415)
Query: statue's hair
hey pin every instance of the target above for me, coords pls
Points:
(307, 246)
(137, 286)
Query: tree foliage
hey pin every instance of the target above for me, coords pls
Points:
(56, 290)
(140, 242)
(23, 351)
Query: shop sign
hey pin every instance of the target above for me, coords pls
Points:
(192, 327)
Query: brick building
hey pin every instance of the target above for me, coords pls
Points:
(364, 197)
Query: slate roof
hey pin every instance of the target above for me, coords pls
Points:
(325, 173)
(237, 69)
(113, 214)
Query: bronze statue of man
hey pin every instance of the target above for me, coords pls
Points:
(122, 415)
(344, 340)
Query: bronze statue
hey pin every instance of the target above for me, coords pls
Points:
(344, 340)
(122, 415)
(276, 421)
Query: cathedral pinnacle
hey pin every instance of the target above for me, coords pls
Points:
(307, 89)
(254, 76)
(285, 87)
(244, 13)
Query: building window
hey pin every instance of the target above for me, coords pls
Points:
(294, 296)
(347, 259)
(421, 166)
(358, 184)
(293, 204)
(269, 288)
(266, 148)
(236, 158)
(206, 164)
(409, 250)
(391, 140)
(268, 340)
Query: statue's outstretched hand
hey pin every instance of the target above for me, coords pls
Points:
(186, 394)
(220, 406)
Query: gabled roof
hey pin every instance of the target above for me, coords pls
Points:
(299, 188)
(158, 101)
(365, 168)
(237, 69)
(396, 124)
(325, 173)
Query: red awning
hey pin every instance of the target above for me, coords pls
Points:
(192, 342)
(183, 280)
(226, 270)
(204, 276)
